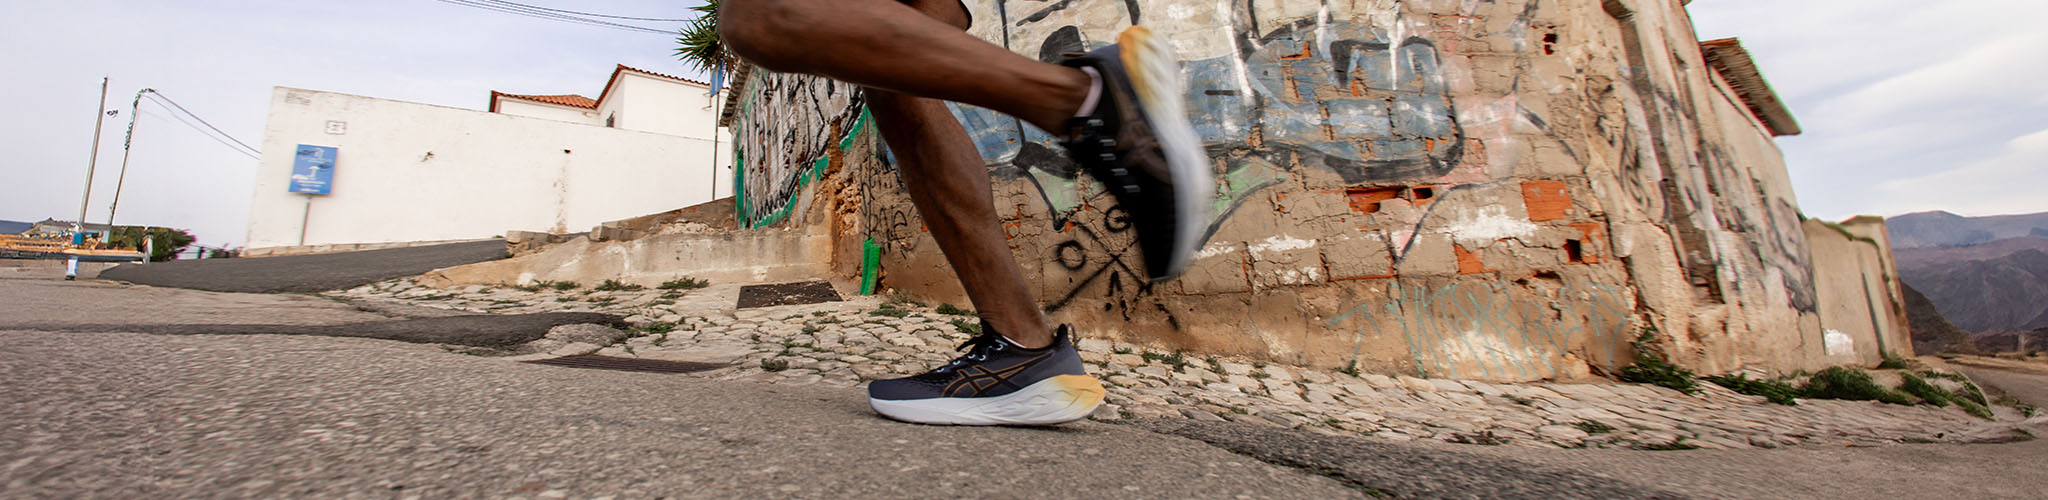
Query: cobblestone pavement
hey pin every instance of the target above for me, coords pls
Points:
(843, 344)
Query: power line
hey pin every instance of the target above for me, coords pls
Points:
(607, 16)
(542, 14)
(163, 99)
(175, 117)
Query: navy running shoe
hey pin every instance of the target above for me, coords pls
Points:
(996, 383)
(1139, 143)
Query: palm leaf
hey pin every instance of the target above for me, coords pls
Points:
(698, 44)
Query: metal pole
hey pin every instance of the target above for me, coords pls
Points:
(99, 121)
(134, 113)
(714, 144)
(307, 219)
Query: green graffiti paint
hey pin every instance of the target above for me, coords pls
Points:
(870, 266)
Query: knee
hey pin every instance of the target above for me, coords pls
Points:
(758, 30)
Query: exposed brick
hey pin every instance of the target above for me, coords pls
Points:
(1589, 247)
(1546, 200)
(1468, 261)
(1366, 200)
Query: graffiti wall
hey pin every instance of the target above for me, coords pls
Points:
(1502, 189)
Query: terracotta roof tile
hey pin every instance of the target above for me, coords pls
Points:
(570, 100)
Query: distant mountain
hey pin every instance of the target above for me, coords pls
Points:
(1932, 333)
(13, 227)
(2004, 293)
(1914, 258)
(1940, 229)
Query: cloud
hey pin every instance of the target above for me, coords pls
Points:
(2012, 181)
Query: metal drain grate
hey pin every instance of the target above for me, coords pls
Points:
(597, 362)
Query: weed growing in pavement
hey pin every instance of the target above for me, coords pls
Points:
(1261, 374)
(563, 285)
(889, 310)
(1674, 445)
(774, 365)
(1593, 427)
(949, 310)
(1350, 369)
(1482, 438)
(684, 283)
(829, 321)
(617, 286)
(1176, 360)
(965, 326)
(1841, 382)
(564, 299)
(1651, 367)
(1777, 391)
(819, 314)
(652, 328)
(810, 329)
(534, 287)
(1919, 388)
(1894, 362)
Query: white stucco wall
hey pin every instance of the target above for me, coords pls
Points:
(413, 172)
(517, 107)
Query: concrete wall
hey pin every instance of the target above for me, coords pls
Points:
(518, 107)
(722, 257)
(1863, 311)
(1506, 190)
(414, 172)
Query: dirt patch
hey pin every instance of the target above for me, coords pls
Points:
(787, 294)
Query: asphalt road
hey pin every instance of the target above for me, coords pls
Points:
(97, 414)
(306, 273)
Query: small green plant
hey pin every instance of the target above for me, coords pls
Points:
(564, 285)
(1971, 407)
(1894, 362)
(1674, 445)
(684, 283)
(1776, 391)
(889, 310)
(1350, 369)
(663, 302)
(949, 310)
(1176, 360)
(617, 286)
(564, 299)
(1593, 427)
(533, 287)
(829, 321)
(1261, 374)
(969, 327)
(1481, 438)
(1919, 388)
(819, 314)
(1651, 367)
(1841, 382)
(810, 329)
(774, 365)
(652, 328)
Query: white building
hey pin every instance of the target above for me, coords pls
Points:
(408, 172)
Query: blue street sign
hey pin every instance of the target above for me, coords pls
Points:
(313, 169)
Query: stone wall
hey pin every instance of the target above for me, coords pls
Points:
(1863, 311)
(1499, 190)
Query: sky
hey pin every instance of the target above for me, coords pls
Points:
(1907, 106)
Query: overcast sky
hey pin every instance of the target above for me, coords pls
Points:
(1907, 105)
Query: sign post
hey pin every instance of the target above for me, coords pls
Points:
(312, 174)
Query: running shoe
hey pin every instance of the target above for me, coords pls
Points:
(996, 382)
(1138, 142)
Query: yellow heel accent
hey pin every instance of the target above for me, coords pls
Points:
(1086, 390)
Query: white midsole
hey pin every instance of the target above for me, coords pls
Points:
(1055, 400)
(1156, 78)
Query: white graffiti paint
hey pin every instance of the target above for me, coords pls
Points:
(1838, 343)
(1486, 225)
(1280, 243)
(1216, 249)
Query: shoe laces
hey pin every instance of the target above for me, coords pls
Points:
(977, 350)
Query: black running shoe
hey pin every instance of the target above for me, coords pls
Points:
(995, 383)
(1139, 143)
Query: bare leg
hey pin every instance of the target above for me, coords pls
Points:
(887, 45)
(943, 172)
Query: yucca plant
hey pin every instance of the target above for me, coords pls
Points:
(698, 44)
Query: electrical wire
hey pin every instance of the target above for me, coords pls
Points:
(541, 14)
(163, 99)
(202, 131)
(607, 16)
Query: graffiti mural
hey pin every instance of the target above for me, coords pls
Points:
(793, 119)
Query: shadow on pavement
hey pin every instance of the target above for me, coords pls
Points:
(306, 273)
(476, 331)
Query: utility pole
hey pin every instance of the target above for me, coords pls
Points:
(134, 112)
(99, 120)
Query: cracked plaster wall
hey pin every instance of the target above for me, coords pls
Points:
(1500, 190)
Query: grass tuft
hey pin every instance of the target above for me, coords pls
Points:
(1777, 391)
(1651, 367)
(684, 283)
(564, 285)
(1919, 388)
(949, 310)
(1841, 382)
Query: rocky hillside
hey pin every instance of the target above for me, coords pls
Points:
(1943, 229)
(1932, 333)
(2005, 293)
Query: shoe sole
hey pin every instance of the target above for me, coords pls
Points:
(1154, 73)
(1056, 400)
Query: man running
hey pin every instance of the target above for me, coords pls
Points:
(1117, 110)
